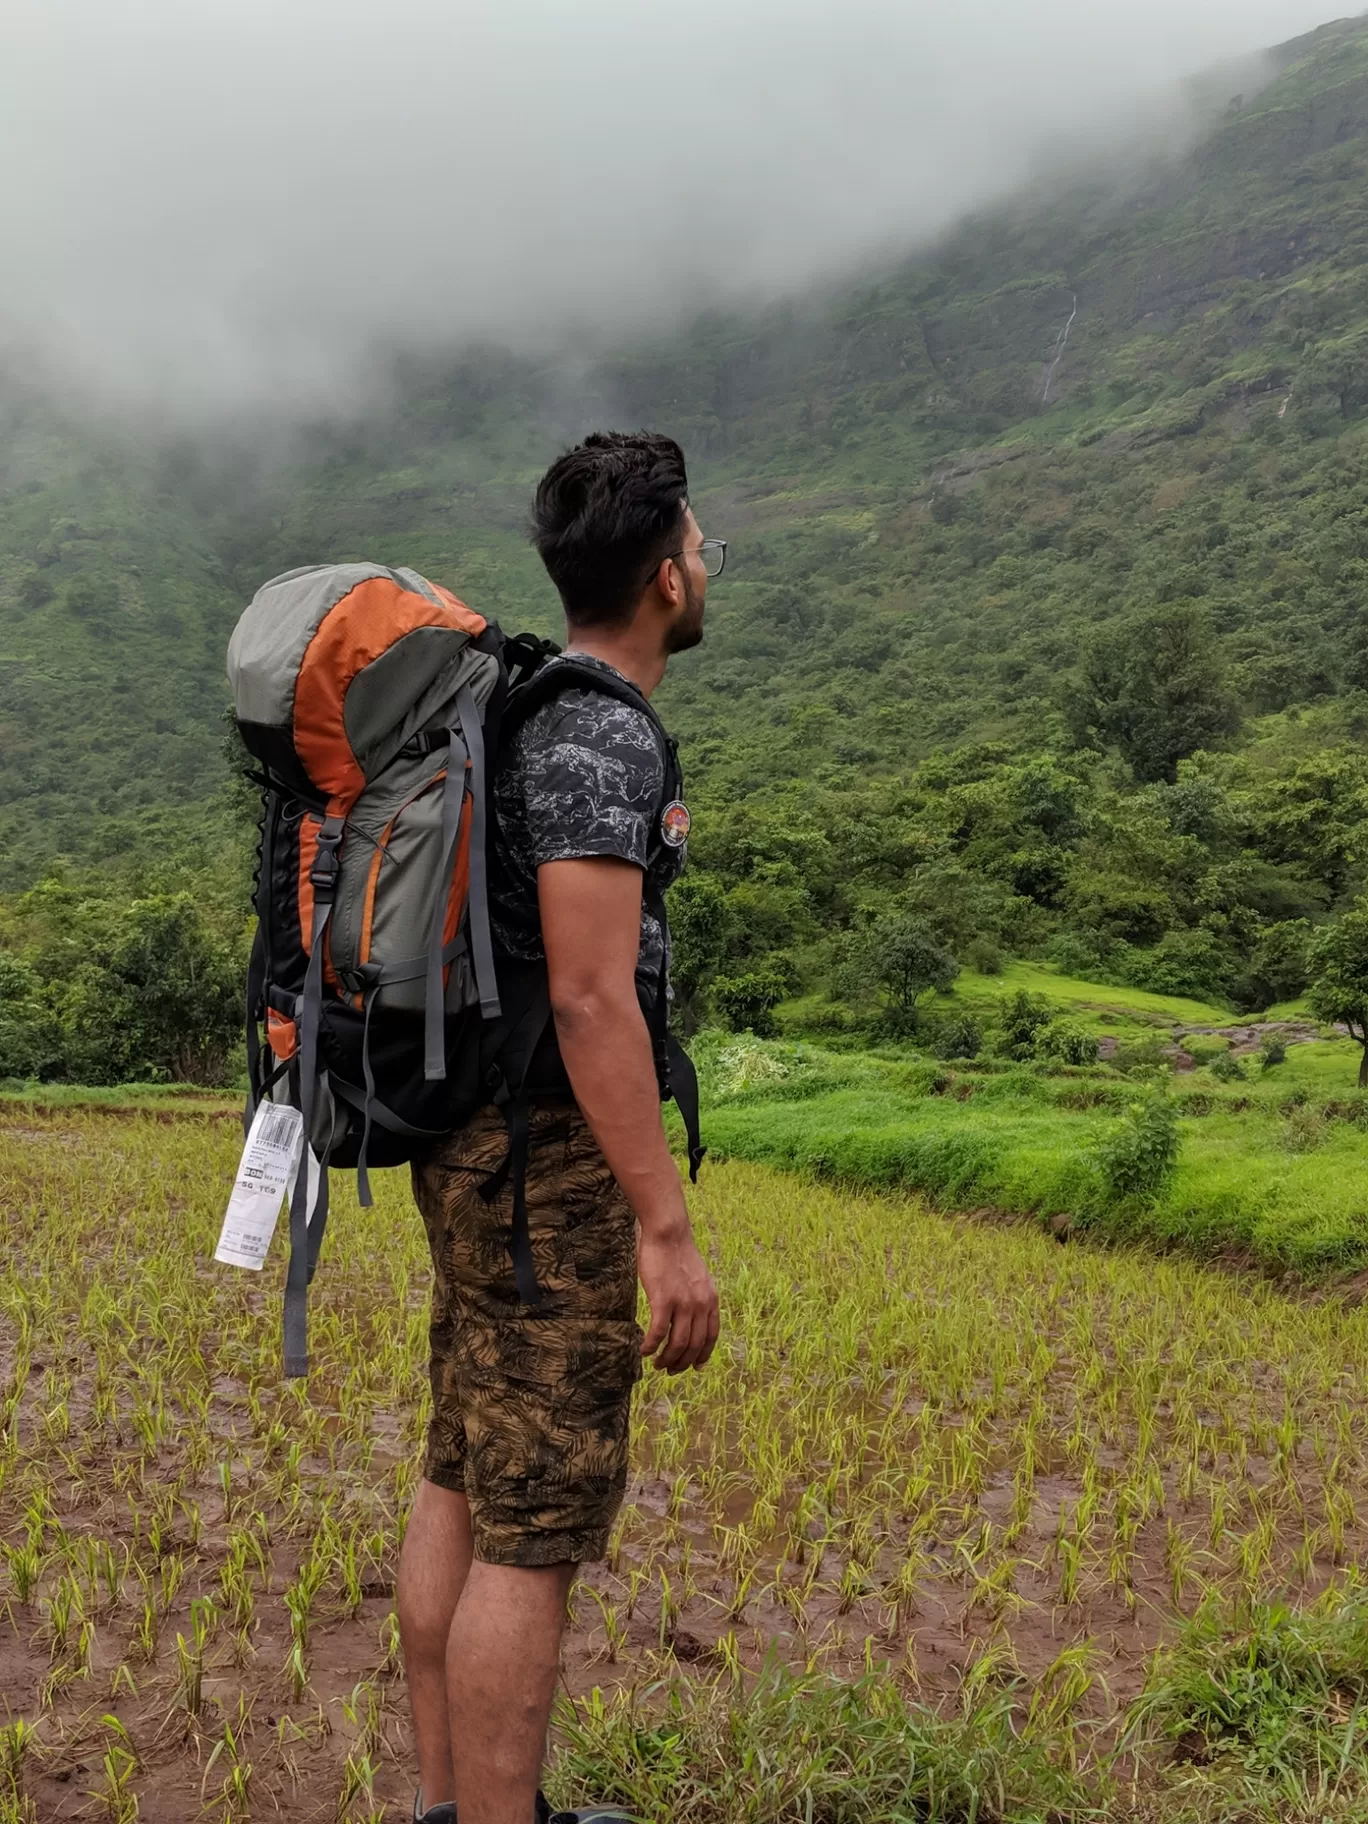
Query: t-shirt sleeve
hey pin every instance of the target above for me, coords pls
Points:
(592, 774)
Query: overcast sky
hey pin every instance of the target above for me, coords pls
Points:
(212, 203)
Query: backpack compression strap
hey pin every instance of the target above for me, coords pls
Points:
(323, 879)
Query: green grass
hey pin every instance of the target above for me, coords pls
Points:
(1274, 1168)
(1095, 1004)
(1289, 1010)
(124, 1096)
(1273, 1700)
(1326, 1069)
(797, 1749)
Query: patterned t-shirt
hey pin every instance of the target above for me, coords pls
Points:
(583, 776)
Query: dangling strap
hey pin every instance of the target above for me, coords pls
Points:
(259, 964)
(681, 1079)
(318, 1216)
(684, 1089)
(363, 1189)
(513, 1170)
(256, 994)
(524, 1271)
(481, 946)
(453, 796)
(323, 879)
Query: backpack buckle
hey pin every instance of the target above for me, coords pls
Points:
(323, 872)
(362, 978)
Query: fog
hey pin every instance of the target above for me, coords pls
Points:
(234, 204)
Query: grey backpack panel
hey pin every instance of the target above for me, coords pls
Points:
(419, 675)
(391, 862)
(270, 640)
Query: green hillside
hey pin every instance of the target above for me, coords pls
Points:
(1055, 641)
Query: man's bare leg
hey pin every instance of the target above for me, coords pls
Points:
(502, 1660)
(433, 1567)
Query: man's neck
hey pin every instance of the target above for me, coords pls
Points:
(642, 666)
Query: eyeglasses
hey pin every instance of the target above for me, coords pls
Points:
(713, 551)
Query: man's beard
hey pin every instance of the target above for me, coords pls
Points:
(687, 631)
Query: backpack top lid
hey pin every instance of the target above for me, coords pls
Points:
(334, 667)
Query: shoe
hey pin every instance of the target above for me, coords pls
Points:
(593, 1814)
(445, 1813)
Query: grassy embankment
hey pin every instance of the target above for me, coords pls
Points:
(1273, 1166)
(989, 1509)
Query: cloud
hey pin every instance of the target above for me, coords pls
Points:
(239, 203)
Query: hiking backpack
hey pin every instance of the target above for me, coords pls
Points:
(374, 702)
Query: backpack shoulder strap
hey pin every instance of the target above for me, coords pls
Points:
(551, 680)
(568, 673)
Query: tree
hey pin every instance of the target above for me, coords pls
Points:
(93, 603)
(747, 1002)
(1277, 967)
(29, 1041)
(901, 957)
(184, 987)
(1154, 687)
(1339, 987)
(149, 990)
(701, 925)
(1339, 366)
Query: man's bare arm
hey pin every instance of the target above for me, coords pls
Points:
(591, 926)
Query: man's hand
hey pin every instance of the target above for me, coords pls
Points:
(682, 1297)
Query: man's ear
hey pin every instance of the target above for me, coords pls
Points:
(669, 584)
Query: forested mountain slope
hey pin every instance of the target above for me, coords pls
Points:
(1017, 529)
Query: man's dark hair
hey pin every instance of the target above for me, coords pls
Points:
(605, 515)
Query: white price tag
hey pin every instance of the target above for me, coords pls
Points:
(265, 1174)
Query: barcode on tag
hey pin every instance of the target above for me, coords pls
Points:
(264, 1174)
(279, 1127)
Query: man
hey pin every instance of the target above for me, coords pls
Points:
(527, 1454)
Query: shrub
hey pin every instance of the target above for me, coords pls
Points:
(747, 1002)
(34, 589)
(1138, 1160)
(1273, 1051)
(1062, 1042)
(1278, 967)
(1019, 1021)
(1074, 955)
(1141, 1057)
(1192, 963)
(1202, 1048)
(984, 957)
(960, 1037)
(700, 930)
(1226, 1068)
(116, 991)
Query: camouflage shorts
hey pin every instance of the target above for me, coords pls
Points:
(531, 1404)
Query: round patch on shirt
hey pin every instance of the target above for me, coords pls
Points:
(674, 824)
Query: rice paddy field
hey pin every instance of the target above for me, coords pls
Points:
(961, 1523)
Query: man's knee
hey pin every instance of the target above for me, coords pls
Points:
(532, 1593)
(433, 1566)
